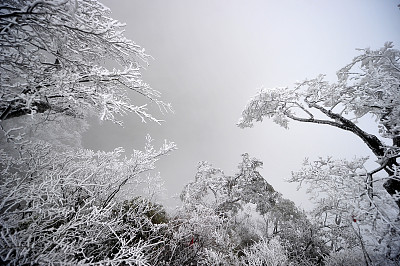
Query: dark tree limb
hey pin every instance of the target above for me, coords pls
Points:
(392, 185)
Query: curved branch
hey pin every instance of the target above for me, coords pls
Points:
(315, 121)
(375, 145)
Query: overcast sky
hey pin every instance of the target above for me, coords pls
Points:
(211, 56)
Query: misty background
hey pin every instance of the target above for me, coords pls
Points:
(210, 57)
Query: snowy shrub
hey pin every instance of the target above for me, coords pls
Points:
(265, 252)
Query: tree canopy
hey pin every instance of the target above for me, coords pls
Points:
(343, 189)
(61, 62)
(56, 57)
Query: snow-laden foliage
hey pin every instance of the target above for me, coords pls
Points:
(213, 188)
(352, 257)
(368, 85)
(373, 86)
(236, 216)
(211, 207)
(352, 207)
(266, 253)
(59, 207)
(61, 61)
(56, 56)
(200, 236)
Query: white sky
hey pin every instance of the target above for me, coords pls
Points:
(212, 56)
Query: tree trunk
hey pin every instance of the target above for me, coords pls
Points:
(392, 185)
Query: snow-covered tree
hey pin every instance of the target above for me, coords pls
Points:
(61, 207)
(212, 211)
(350, 213)
(69, 57)
(369, 85)
(241, 213)
(349, 195)
(224, 193)
(62, 61)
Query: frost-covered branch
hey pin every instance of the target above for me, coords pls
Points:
(53, 206)
(345, 189)
(370, 84)
(56, 57)
(60, 204)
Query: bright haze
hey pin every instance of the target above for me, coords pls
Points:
(211, 56)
